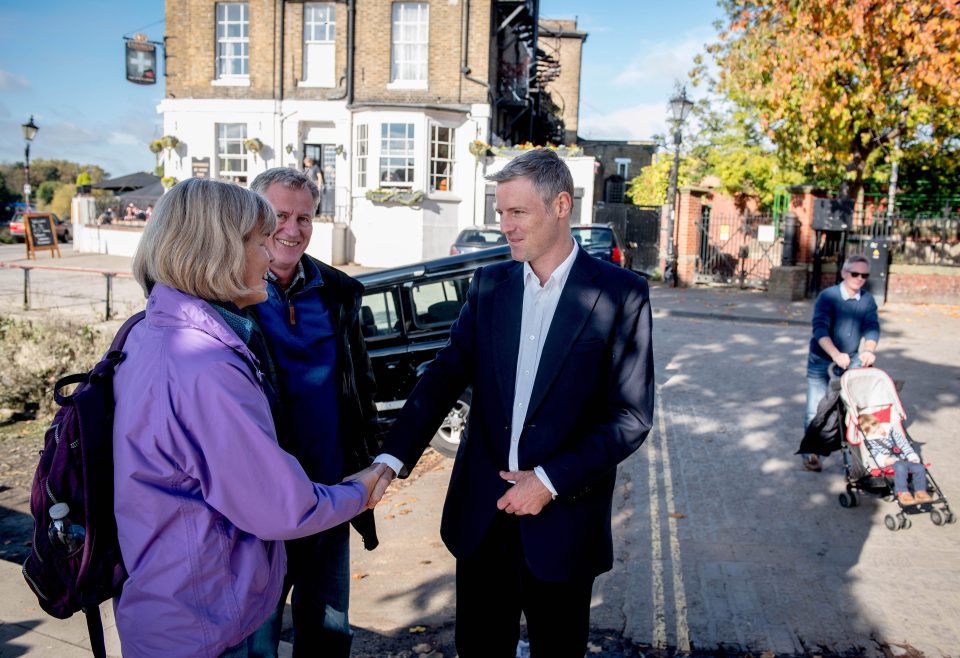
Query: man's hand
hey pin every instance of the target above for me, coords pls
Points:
(527, 496)
(381, 487)
(370, 479)
(842, 359)
(867, 358)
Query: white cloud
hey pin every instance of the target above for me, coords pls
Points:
(664, 61)
(636, 122)
(118, 138)
(12, 82)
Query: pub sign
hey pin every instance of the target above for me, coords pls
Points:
(141, 58)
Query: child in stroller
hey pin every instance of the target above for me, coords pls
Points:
(891, 450)
(873, 432)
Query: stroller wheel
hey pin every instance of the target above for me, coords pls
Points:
(936, 517)
(848, 499)
(950, 517)
(892, 524)
(905, 523)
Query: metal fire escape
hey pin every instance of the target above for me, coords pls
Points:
(523, 111)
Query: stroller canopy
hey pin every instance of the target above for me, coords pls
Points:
(871, 390)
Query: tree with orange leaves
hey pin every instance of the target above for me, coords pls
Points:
(840, 85)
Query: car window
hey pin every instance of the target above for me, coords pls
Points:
(437, 303)
(378, 314)
(482, 238)
(593, 237)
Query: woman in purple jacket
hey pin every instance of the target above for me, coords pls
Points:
(204, 496)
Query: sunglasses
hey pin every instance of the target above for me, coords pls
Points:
(859, 275)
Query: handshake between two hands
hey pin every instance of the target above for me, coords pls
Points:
(528, 495)
(375, 480)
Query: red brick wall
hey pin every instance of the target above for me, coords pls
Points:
(924, 285)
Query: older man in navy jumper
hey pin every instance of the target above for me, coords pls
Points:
(843, 315)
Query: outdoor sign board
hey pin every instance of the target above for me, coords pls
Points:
(200, 167)
(41, 233)
(141, 59)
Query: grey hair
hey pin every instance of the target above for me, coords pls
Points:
(291, 179)
(545, 169)
(194, 240)
(859, 258)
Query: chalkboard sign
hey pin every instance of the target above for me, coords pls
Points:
(41, 233)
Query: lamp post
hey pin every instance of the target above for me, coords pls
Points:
(680, 107)
(29, 132)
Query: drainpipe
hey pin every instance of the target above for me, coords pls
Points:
(464, 42)
(351, 27)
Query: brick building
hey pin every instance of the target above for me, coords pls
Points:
(617, 163)
(386, 96)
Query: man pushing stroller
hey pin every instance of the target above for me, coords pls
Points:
(842, 316)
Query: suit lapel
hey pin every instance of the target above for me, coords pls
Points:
(505, 329)
(576, 303)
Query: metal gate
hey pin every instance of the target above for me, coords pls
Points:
(640, 228)
(737, 249)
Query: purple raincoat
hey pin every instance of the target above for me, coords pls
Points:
(203, 493)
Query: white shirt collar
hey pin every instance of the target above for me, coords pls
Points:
(559, 276)
(845, 295)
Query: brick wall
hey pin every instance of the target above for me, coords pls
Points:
(562, 40)
(915, 284)
(191, 50)
(445, 85)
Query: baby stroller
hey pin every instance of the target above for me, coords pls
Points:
(870, 390)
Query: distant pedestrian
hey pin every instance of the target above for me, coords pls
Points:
(843, 316)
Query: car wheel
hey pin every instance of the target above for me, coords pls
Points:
(67, 237)
(447, 439)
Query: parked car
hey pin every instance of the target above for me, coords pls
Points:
(406, 315)
(603, 241)
(18, 232)
(476, 238)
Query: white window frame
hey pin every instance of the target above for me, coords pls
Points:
(623, 165)
(434, 159)
(320, 33)
(225, 42)
(398, 149)
(402, 43)
(362, 150)
(223, 143)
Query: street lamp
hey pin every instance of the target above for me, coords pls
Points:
(680, 107)
(29, 132)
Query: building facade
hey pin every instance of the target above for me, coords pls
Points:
(388, 97)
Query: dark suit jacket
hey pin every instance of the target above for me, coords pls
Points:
(591, 407)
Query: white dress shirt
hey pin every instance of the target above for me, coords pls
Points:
(539, 306)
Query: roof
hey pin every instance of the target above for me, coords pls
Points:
(129, 182)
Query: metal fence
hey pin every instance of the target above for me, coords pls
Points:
(737, 249)
(914, 240)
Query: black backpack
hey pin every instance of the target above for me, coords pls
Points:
(75, 562)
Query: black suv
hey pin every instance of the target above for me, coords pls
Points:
(406, 316)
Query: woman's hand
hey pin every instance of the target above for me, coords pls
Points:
(368, 477)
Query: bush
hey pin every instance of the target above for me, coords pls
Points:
(41, 352)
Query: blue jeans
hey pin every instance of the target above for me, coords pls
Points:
(904, 468)
(818, 379)
(258, 644)
(318, 571)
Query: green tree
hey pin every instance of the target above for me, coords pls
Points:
(836, 84)
(60, 204)
(649, 187)
(45, 191)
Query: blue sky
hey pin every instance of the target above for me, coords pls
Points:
(62, 62)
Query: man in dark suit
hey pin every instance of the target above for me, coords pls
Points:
(557, 348)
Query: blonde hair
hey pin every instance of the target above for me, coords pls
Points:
(868, 423)
(194, 241)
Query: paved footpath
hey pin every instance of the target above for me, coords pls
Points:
(723, 541)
